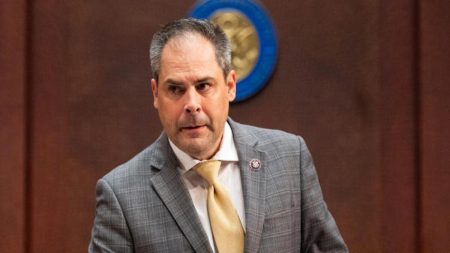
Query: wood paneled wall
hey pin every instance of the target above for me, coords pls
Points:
(13, 123)
(434, 124)
(365, 82)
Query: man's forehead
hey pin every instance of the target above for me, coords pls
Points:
(193, 48)
(188, 57)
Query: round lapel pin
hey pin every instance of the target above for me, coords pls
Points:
(254, 164)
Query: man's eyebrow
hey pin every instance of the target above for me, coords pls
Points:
(199, 80)
(204, 79)
(172, 82)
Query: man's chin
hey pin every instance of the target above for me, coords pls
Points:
(196, 149)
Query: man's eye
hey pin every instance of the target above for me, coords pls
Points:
(203, 86)
(175, 89)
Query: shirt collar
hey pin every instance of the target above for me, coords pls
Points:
(227, 151)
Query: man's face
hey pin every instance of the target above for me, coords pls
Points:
(192, 96)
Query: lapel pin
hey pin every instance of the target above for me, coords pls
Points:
(254, 164)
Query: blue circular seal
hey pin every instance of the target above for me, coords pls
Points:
(265, 63)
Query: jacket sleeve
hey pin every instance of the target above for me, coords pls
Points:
(319, 232)
(110, 232)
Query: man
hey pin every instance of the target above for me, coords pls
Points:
(265, 196)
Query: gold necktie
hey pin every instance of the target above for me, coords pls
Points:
(225, 223)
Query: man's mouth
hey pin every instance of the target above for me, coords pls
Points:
(192, 127)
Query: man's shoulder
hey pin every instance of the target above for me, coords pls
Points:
(271, 138)
(137, 167)
(269, 132)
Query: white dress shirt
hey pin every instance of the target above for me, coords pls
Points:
(229, 177)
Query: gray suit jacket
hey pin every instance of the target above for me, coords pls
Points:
(143, 205)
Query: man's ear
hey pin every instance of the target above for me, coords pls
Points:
(231, 85)
(155, 93)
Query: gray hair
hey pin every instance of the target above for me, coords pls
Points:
(205, 28)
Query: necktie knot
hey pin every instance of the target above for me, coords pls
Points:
(209, 170)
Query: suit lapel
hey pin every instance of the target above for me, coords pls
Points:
(253, 184)
(170, 187)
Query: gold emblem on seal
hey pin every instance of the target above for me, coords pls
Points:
(243, 39)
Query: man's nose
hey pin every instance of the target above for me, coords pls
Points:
(192, 102)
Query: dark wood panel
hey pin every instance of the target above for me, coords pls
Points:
(398, 126)
(12, 126)
(435, 124)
